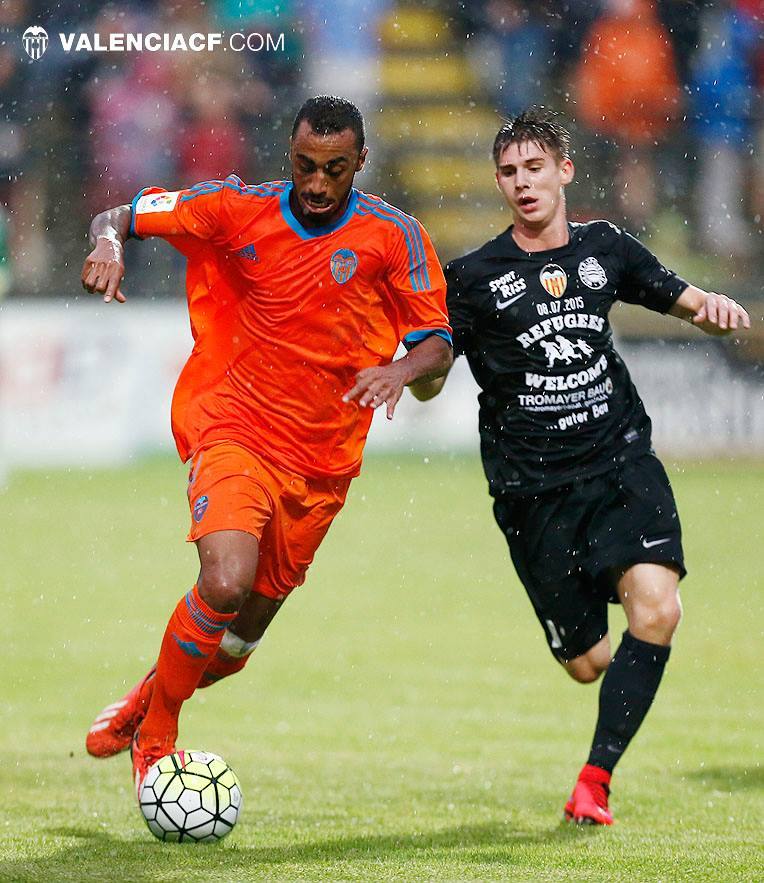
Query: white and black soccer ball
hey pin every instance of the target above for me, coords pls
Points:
(190, 796)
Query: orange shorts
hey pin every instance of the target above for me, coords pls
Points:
(231, 488)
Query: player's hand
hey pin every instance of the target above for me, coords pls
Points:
(104, 269)
(720, 314)
(378, 386)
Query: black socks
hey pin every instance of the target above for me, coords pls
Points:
(626, 694)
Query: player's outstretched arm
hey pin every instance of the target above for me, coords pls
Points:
(427, 361)
(104, 267)
(713, 313)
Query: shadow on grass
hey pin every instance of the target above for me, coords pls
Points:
(97, 855)
(729, 778)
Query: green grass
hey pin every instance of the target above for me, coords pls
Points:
(402, 719)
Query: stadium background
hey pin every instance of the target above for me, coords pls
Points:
(665, 103)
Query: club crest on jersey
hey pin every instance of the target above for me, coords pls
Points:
(343, 263)
(592, 273)
(200, 507)
(554, 279)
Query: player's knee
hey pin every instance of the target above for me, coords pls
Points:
(658, 620)
(224, 586)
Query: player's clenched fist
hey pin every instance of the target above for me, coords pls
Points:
(104, 268)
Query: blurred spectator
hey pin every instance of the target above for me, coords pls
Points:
(134, 116)
(134, 122)
(514, 55)
(681, 19)
(723, 104)
(212, 142)
(20, 227)
(627, 91)
(343, 48)
(12, 148)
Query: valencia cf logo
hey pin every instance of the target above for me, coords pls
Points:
(200, 507)
(554, 279)
(35, 40)
(344, 263)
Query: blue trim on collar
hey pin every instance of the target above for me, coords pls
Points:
(313, 232)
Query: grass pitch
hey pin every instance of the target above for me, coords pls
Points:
(402, 718)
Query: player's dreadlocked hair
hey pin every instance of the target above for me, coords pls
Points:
(328, 114)
(537, 125)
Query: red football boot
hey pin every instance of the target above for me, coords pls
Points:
(588, 804)
(143, 759)
(113, 729)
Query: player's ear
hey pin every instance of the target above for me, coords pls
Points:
(567, 170)
(361, 159)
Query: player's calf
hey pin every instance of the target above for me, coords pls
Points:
(587, 667)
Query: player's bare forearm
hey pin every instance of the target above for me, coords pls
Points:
(428, 385)
(713, 313)
(104, 267)
(426, 362)
(114, 223)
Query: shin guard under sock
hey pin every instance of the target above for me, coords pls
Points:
(232, 655)
(626, 694)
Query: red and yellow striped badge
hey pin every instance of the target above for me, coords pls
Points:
(554, 279)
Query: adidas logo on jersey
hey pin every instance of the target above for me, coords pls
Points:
(248, 252)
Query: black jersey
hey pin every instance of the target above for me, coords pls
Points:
(556, 401)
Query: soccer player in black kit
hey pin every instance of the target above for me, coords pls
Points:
(585, 505)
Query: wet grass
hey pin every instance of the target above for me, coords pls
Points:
(402, 719)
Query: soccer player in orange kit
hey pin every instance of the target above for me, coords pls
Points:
(299, 294)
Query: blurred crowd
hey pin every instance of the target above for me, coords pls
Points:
(665, 95)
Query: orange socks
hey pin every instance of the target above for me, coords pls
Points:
(190, 643)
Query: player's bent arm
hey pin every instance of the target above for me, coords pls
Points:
(429, 360)
(711, 312)
(423, 390)
(425, 362)
(104, 267)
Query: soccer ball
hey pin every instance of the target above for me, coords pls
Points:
(190, 795)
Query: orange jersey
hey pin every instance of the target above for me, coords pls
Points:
(283, 316)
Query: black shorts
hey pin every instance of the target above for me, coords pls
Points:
(566, 544)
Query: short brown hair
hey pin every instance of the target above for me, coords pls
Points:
(539, 126)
